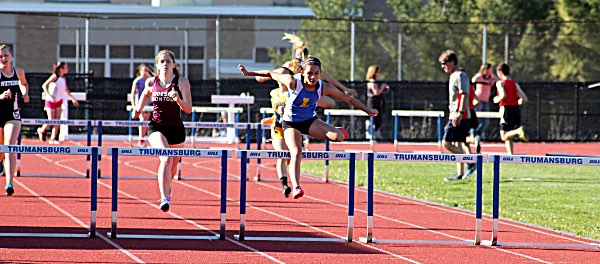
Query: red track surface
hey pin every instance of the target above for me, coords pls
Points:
(61, 205)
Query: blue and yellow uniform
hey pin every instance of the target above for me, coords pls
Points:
(301, 105)
(277, 99)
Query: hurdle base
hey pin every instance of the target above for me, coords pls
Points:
(54, 175)
(58, 235)
(293, 239)
(544, 245)
(428, 242)
(139, 236)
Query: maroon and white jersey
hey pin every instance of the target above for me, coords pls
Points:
(166, 111)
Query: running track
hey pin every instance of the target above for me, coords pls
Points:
(62, 205)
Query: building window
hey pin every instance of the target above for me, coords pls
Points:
(97, 51)
(68, 51)
(97, 69)
(195, 71)
(119, 70)
(175, 49)
(122, 52)
(143, 52)
(262, 55)
(196, 53)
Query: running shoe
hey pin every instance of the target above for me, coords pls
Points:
(453, 177)
(478, 144)
(471, 168)
(164, 205)
(298, 192)
(41, 135)
(9, 189)
(344, 132)
(522, 135)
(286, 191)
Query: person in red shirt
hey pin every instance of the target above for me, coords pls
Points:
(510, 97)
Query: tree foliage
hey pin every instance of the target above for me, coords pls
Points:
(539, 48)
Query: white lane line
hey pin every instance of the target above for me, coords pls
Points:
(290, 219)
(193, 222)
(81, 223)
(413, 225)
(464, 212)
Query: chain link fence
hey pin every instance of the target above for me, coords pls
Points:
(556, 111)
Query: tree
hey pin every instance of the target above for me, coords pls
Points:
(330, 40)
(576, 54)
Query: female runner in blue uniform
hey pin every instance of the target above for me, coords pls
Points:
(299, 115)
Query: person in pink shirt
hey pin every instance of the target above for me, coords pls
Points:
(483, 80)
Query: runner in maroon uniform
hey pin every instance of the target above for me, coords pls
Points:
(510, 97)
(12, 84)
(170, 94)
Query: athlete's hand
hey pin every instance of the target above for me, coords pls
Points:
(456, 119)
(373, 112)
(25, 98)
(243, 70)
(173, 94)
(6, 95)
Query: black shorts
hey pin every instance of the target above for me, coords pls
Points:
(302, 126)
(474, 121)
(511, 118)
(6, 116)
(173, 134)
(457, 134)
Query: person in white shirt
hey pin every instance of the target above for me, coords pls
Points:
(55, 90)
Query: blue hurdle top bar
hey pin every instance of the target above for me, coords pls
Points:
(171, 152)
(550, 160)
(425, 157)
(47, 149)
(310, 155)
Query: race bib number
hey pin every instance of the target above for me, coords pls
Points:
(17, 115)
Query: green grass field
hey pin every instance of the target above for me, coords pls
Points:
(565, 198)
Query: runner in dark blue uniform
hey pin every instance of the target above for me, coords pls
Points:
(12, 85)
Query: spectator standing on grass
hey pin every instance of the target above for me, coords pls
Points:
(12, 85)
(457, 128)
(300, 117)
(136, 92)
(375, 99)
(55, 92)
(510, 97)
(170, 95)
(483, 80)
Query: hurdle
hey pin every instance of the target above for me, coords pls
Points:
(418, 113)
(37, 122)
(312, 155)
(429, 157)
(171, 152)
(94, 152)
(525, 159)
(195, 109)
(351, 112)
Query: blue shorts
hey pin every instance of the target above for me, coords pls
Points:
(457, 134)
